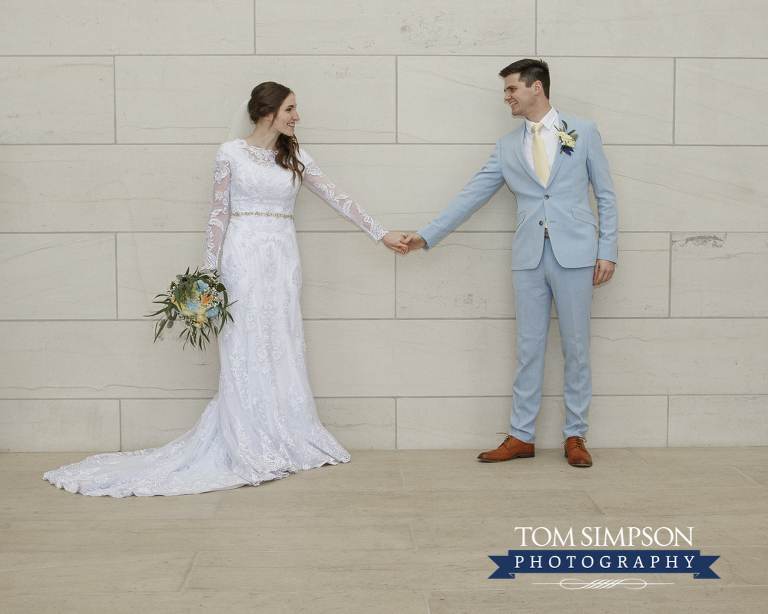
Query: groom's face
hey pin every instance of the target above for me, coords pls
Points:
(518, 95)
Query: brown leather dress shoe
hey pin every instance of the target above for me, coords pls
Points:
(510, 448)
(576, 452)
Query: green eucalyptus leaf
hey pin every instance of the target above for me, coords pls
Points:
(182, 289)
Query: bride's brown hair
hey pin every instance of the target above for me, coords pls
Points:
(266, 99)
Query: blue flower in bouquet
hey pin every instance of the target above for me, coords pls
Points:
(195, 302)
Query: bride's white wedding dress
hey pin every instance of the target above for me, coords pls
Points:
(262, 424)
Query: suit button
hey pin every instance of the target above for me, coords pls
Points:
(546, 197)
(541, 223)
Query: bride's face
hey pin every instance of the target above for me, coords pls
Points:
(286, 118)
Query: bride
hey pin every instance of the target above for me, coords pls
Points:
(262, 424)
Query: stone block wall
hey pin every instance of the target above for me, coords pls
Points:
(110, 116)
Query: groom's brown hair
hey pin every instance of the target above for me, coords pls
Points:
(530, 72)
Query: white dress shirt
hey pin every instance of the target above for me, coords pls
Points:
(551, 123)
(549, 134)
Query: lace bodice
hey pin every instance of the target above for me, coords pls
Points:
(247, 178)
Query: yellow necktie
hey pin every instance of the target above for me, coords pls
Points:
(540, 160)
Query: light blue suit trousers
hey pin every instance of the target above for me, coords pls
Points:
(534, 291)
(560, 267)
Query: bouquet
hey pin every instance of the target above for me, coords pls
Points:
(197, 299)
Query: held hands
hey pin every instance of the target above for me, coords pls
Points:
(403, 242)
(603, 272)
(412, 241)
(396, 242)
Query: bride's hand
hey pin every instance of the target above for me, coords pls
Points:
(394, 241)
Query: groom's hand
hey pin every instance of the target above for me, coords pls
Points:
(395, 242)
(413, 240)
(603, 272)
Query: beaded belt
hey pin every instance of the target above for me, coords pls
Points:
(237, 213)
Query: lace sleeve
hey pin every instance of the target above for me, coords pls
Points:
(318, 183)
(217, 221)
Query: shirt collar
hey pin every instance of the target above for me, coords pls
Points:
(548, 120)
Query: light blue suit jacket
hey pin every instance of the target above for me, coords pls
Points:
(564, 202)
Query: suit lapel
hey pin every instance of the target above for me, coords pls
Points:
(559, 156)
(518, 147)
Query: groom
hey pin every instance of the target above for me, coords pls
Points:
(556, 250)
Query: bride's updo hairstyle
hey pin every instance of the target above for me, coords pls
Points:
(266, 99)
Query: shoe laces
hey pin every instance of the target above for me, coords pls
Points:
(577, 442)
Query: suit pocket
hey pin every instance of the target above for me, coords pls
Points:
(584, 216)
(520, 218)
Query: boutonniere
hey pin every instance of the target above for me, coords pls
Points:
(567, 139)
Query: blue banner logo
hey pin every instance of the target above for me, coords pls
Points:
(604, 561)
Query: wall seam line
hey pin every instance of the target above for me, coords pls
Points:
(394, 299)
(363, 144)
(114, 97)
(117, 285)
(363, 396)
(319, 231)
(368, 55)
(669, 296)
(397, 99)
(674, 101)
(397, 433)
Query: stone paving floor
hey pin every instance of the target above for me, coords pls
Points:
(393, 531)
